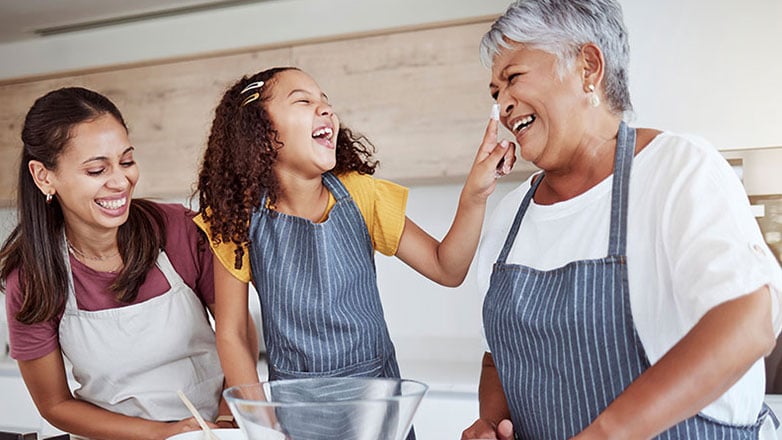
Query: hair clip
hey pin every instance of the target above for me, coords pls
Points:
(250, 99)
(253, 85)
(254, 96)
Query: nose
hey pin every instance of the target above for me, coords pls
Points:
(118, 179)
(506, 103)
(324, 109)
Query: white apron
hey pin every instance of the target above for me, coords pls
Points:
(132, 360)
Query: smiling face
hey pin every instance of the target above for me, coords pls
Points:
(95, 176)
(540, 109)
(305, 123)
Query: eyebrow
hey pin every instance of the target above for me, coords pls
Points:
(104, 158)
(503, 74)
(306, 92)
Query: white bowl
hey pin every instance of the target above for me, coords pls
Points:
(222, 434)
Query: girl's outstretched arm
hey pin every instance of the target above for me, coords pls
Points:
(447, 262)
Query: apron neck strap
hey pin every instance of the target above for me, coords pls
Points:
(623, 158)
(70, 302)
(335, 186)
(331, 182)
(514, 229)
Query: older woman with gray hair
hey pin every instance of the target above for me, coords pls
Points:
(629, 292)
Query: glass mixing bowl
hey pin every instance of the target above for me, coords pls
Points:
(344, 408)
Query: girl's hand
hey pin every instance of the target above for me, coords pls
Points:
(493, 160)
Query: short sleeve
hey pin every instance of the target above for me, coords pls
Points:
(27, 341)
(188, 251)
(715, 249)
(225, 253)
(383, 204)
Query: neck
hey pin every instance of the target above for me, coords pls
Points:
(92, 245)
(300, 197)
(591, 162)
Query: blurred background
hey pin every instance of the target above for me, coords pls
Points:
(403, 72)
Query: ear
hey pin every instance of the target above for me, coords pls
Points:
(42, 176)
(592, 65)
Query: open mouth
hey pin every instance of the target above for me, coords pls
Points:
(323, 133)
(112, 204)
(522, 123)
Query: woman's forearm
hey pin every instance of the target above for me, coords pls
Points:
(724, 344)
(86, 420)
(493, 405)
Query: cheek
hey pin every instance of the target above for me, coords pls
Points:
(288, 130)
(134, 174)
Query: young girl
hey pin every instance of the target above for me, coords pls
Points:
(288, 201)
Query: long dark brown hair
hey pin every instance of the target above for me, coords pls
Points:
(36, 245)
(237, 168)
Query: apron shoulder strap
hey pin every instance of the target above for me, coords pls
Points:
(514, 229)
(164, 264)
(335, 186)
(623, 159)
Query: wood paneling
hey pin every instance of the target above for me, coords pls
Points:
(420, 96)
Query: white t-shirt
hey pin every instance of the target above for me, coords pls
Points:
(693, 244)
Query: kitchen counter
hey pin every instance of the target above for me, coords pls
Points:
(450, 405)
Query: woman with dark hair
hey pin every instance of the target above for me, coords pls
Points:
(117, 286)
(629, 291)
(288, 200)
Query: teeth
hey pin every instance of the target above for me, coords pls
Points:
(112, 204)
(323, 132)
(523, 122)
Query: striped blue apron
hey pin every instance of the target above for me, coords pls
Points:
(563, 340)
(320, 305)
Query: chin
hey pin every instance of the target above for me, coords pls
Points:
(112, 220)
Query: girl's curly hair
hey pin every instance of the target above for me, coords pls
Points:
(237, 167)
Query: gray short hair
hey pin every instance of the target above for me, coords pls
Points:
(561, 27)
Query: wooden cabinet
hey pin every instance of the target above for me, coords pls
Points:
(421, 96)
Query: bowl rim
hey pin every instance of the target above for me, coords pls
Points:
(418, 393)
(195, 432)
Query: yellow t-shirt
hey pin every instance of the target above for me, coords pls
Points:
(381, 202)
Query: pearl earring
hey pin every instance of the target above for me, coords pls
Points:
(49, 197)
(594, 100)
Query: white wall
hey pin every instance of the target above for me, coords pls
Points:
(708, 67)
(271, 22)
(430, 322)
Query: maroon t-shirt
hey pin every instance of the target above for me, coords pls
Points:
(191, 260)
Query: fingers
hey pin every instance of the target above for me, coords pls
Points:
(505, 430)
(495, 157)
(503, 157)
(508, 160)
(481, 429)
(492, 128)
